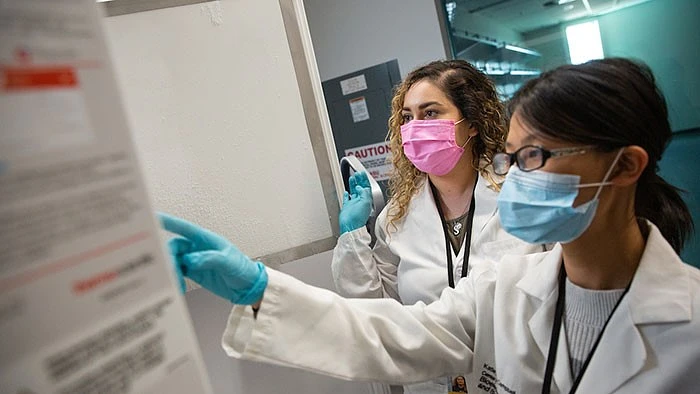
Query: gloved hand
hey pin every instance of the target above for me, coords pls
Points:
(214, 263)
(356, 206)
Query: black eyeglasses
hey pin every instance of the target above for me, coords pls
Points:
(531, 157)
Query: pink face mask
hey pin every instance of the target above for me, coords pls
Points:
(430, 145)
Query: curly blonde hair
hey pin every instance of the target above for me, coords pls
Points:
(475, 96)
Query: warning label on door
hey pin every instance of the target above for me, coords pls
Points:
(359, 110)
(375, 157)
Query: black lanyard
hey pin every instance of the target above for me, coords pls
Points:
(448, 244)
(556, 328)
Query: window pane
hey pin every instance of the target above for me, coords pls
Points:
(584, 42)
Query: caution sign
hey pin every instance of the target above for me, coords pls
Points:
(375, 157)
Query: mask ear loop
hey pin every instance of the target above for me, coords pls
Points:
(467, 143)
(610, 170)
(468, 139)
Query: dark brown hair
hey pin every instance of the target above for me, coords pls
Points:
(611, 103)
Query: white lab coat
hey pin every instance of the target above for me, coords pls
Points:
(409, 264)
(496, 323)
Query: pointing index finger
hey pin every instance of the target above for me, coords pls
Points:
(189, 230)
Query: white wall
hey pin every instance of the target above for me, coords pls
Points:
(349, 35)
(217, 117)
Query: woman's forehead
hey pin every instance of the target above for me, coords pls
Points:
(520, 133)
(424, 91)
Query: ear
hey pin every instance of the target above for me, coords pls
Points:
(469, 133)
(472, 131)
(632, 163)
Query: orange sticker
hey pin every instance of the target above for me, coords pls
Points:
(23, 78)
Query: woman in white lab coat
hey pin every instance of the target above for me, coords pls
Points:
(611, 308)
(447, 122)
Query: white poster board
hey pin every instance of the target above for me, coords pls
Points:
(88, 299)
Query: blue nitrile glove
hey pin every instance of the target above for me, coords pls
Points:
(356, 206)
(177, 247)
(215, 263)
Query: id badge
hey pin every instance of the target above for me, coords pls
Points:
(457, 384)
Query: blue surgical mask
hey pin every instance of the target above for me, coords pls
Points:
(537, 206)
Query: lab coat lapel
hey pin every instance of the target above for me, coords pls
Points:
(541, 283)
(485, 207)
(435, 225)
(659, 294)
(541, 329)
(430, 222)
(620, 355)
(562, 368)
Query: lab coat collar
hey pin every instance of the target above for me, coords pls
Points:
(484, 209)
(660, 291)
(541, 278)
(658, 280)
(659, 294)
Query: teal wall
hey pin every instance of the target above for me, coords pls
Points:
(665, 34)
(679, 167)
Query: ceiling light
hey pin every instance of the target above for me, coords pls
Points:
(521, 50)
(554, 3)
(524, 72)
